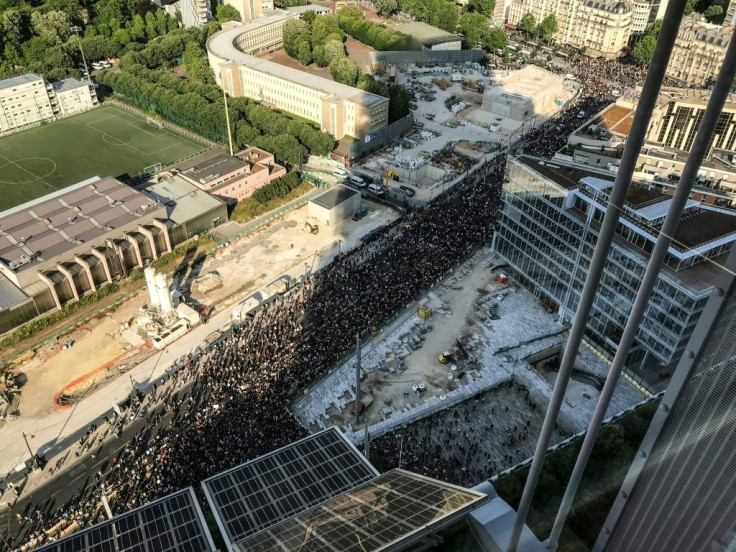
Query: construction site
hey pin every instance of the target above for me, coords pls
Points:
(461, 115)
(476, 331)
(104, 349)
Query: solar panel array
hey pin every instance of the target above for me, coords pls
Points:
(391, 509)
(172, 523)
(271, 488)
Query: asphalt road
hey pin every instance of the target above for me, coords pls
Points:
(75, 477)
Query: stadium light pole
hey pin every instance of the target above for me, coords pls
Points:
(77, 29)
(635, 141)
(674, 213)
(227, 116)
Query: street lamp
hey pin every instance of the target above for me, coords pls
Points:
(77, 29)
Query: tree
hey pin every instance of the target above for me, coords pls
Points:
(506, 55)
(496, 39)
(308, 17)
(344, 70)
(548, 27)
(138, 29)
(323, 27)
(304, 53)
(227, 12)
(332, 50)
(528, 24)
(484, 7)
(475, 27)
(294, 32)
(644, 49)
(444, 14)
(690, 6)
(713, 13)
(13, 27)
(385, 7)
(53, 26)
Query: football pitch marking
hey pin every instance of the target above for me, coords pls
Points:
(36, 178)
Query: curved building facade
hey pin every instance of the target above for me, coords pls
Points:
(338, 109)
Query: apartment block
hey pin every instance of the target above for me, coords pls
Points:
(28, 99)
(72, 95)
(263, 35)
(24, 101)
(338, 109)
(602, 27)
(552, 212)
(194, 13)
(699, 51)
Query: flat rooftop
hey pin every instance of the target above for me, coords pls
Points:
(640, 196)
(702, 226)
(69, 84)
(616, 119)
(215, 167)
(529, 81)
(17, 81)
(224, 46)
(563, 175)
(334, 196)
(426, 34)
(48, 227)
(182, 199)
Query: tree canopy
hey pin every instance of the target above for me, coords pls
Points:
(227, 12)
(548, 27)
(643, 51)
(484, 7)
(528, 24)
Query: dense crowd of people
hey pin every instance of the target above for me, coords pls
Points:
(220, 407)
(228, 404)
(467, 443)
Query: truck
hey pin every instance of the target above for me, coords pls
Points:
(247, 308)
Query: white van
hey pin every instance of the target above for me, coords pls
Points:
(340, 173)
(376, 189)
(357, 181)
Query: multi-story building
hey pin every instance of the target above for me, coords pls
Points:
(672, 129)
(730, 18)
(24, 101)
(680, 491)
(699, 51)
(602, 27)
(262, 35)
(234, 178)
(28, 99)
(548, 230)
(194, 13)
(339, 109)
(251, 9)
(640, 18)
(72, 95)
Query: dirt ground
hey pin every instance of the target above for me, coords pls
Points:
(102, 349)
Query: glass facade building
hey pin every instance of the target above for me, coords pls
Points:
(548, 230)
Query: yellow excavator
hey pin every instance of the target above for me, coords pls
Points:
(311, 228)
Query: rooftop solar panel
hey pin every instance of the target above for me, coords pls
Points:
(172, 523)
(271, 488)
(387, 513)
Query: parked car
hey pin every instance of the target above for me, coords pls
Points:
(376, 189)
(357, 181)
(340, 173)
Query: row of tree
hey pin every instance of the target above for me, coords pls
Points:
(379, 37)
(277, 188)
(477, 32)
(545, 29)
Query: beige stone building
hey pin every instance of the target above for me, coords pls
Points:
(602, 27)
(251, 9)
(699, 51)
(72, 96)
(338, 109)
(262, 35)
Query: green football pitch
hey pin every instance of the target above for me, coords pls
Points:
(105, 141)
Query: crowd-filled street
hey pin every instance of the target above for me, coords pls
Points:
(226, 405)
